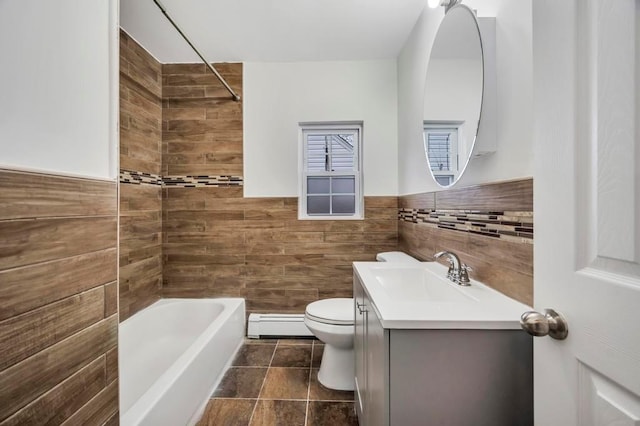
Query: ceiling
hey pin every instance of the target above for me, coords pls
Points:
(272, 30)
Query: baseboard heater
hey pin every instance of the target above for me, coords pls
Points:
(277, 325)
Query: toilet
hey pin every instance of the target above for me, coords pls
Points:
(332, 322)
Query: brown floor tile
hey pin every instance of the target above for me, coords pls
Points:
(227, 412)
(292, 356)
(317, 392)
(241, 382)
(286, 383)
(254, 355)
(296, 341)
(318, 350)
(322, 413)
(280, 413)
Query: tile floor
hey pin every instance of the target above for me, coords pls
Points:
(275, 382)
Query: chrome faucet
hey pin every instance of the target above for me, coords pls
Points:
(458, 272)
(454, 263)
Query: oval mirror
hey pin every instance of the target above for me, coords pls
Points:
(453, 95)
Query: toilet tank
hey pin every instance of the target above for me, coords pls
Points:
(395, 257)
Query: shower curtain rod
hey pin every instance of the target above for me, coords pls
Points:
(236, 97)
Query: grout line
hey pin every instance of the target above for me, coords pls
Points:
(61, 217)
(230, 398)
(251, 366)
(279, 399)
(306, 413)
(263, 382)
(286, 399)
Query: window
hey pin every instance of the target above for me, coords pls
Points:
(441, 145)
(330, 171)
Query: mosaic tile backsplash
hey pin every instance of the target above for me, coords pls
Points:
(514, 226)
(490, 226)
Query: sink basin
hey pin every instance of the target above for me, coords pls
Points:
(413, 284)
(420, 296)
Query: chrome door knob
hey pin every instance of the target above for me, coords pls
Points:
(550, 323)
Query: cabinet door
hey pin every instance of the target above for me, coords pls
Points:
(359, 346)
(377, 366)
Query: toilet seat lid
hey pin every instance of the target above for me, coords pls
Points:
(337, 311)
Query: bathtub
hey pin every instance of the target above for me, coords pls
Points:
(172, 356)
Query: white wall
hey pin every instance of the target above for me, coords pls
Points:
(58, 86)
(514, 67)
(278, 96)
(454, 94)
(413, 169)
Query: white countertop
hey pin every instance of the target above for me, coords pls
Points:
(419, 296)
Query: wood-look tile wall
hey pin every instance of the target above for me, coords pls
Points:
(220, 244)
(217, 243)
(202, 133)
(504, 264)
(140, 151)
(58, 300)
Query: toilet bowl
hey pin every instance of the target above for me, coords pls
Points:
(332, 321)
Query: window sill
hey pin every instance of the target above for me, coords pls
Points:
(330, 217)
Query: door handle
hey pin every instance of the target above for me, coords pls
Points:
(360, 307)
(549, 323)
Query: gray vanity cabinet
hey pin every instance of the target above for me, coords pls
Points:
(372, 367)
(454, 377)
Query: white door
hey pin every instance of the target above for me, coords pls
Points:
(587, 209)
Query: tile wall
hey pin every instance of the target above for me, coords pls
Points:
(215, 242)
(220, 245)
(202, 125)
(58, 300)
(202, 238)
(140, 181)
(490, 226)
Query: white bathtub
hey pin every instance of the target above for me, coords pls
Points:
(172, 356)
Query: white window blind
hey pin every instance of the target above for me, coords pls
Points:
(441, 144)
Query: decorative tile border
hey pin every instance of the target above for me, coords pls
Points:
(139, 178)
(508, 225)
(200, 181)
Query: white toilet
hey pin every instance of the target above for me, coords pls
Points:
(332, 321)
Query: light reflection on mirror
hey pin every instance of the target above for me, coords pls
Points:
(453, 95)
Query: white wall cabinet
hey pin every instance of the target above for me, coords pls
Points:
(439, 377)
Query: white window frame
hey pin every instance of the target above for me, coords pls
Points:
(303, 173)
(435, 126)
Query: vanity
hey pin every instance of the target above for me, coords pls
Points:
(431, 352)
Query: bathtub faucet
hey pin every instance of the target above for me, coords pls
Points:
(458, 272)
